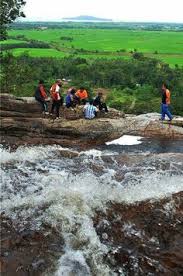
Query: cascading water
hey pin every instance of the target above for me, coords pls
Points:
(69, 190)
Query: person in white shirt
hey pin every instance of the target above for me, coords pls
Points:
(57, 100)
(90, 111)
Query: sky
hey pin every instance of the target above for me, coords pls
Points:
(120, 10)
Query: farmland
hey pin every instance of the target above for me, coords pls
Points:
(94, 43)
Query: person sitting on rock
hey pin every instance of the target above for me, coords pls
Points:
(57, 99)
(70, 98)
(90, 111)
(99, 102)
(81, 95)
(41, 96)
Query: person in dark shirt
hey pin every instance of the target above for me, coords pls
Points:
(99, 102)
(165, 103)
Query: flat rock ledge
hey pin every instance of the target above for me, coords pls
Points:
(22, 122)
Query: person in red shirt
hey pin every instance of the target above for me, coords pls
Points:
(81, 95)
(41, 96)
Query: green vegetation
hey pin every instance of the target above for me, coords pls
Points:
(109, 40)
(133, 85)
(9, 11)
(148, 26)
(172, 59)
(98, 42)
(144, 98)
(11, 41)
(130, 64)
(38, 52)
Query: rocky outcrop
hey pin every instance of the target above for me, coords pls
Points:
(145, 238)
(28, 252)
(23, 123)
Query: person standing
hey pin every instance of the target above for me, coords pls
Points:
(41, 96)
(57, 100)
(165, 103)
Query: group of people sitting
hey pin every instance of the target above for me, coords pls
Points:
(73, 98)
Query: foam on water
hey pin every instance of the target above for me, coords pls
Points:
(126, 140)
(92, 152)
(26, 154)
(68, 201)
(73, 263)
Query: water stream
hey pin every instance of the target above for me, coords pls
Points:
(67, 188)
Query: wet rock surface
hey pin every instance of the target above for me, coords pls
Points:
(22, 123)
(86, 212)
(142, 239)
(145, 238)
(28, 252)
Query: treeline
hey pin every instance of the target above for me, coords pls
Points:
(134, 84)
(30, 44)
(100, 25)
(27, 43)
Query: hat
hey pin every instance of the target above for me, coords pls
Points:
(58, 80)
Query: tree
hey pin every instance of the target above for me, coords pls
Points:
(138, 55)
(9, 11)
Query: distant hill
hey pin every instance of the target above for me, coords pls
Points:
(87, 18)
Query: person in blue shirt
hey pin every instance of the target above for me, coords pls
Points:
(90, 111)
(70, 98)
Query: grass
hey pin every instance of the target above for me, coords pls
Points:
(171, 59)
(110, 40)
(167, 44)
(12, 41)
(38, 52)
(141, 100)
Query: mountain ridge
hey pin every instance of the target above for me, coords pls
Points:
(87, 18)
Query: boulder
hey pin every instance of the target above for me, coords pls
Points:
(22, 122)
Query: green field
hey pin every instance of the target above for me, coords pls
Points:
(59, 54)
(12, 41)
(38, 52)
(171, 59)
(105, 43)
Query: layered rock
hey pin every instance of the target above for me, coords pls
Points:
(23, 123)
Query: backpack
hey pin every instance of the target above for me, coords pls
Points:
(37, 93)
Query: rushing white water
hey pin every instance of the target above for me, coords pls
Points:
(40, 186)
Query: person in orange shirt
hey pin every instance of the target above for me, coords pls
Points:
(165, 103)
(41, 96)
(81, 95)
